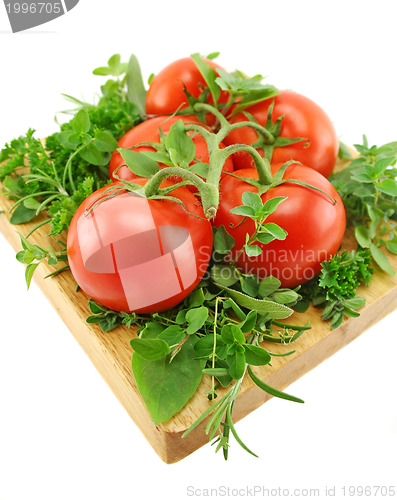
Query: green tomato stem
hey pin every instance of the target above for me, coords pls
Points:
(261, 164)
(209, 193)
(211, 109)
(209, 189)
(268, 136)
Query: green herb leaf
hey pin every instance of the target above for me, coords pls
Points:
(362, 236)
(22, 214)
(256, 355)
(252, 250)
(268, 285)
(388, 186)
(249, 284)
(102, 71)
(30, 269)
(275, 230)
(196, 298)
(151, 330)
(271, 205)
(381, 259)
(92, 155)
(209, 76)
(271, 390)
(140, 164)
(252, 200)
(232, 333)
(274, 310)
(105, 141)
(224, 275)
(81, 122)
(205, 345)
(236, 362)
(250, 322)
(243, 210)
(196, 318)
(392, 245)
(178, 140)
(223, 241)
(69, 139)
(150, 349)
(166, 387)
(173, 335)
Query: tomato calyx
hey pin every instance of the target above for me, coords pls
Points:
(273, 128)
(277, 180)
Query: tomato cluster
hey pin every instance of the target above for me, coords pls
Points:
(132, 253)
(149, 131)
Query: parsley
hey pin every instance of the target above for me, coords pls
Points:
(334, 289)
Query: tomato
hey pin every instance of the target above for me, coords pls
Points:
(302, 118)
(148, 131)
(166, 92)
(315, 225)
(136, 254)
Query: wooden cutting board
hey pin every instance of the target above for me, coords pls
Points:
(111, 352)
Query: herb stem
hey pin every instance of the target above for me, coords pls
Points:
(214, 346)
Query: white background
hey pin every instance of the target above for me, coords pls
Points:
(63, 434)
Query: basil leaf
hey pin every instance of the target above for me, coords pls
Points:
(166, 387)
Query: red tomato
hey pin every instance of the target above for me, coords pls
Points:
(134, 254)
(302, 118)
(148, 131)
(315, 225)
(166, 92)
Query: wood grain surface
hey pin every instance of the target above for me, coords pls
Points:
(111, 352)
